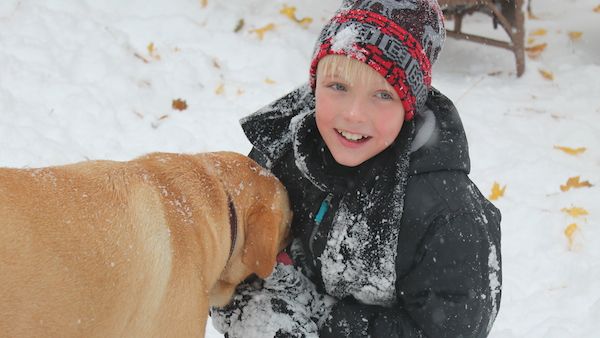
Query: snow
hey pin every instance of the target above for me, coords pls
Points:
(345, 41)
(77, 82)
(351, 273)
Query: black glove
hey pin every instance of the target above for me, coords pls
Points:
(347, 316)
(284, 334)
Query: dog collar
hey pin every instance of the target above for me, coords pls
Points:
(232, 224)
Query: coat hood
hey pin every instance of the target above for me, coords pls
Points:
(440, 142)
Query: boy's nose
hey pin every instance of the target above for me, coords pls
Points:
(355, 112)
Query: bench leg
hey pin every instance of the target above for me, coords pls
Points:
(519, 37)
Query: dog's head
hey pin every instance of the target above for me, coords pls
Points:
(264, 218)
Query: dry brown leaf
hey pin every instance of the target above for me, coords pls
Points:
(152, 51)
(215, 63)
(497, 192)
(304, 22)
(137, 55)
(163, 117)
(269, 81)
(571, 151)
(261, 31)
(574, 183)
(575, 211)
(220, 89)
(239, 26)
(535, 50)
(179, 104)
(150, 48)
(290, 12)
(530, 41)
(574, 36)
(548, 75)
(570, 232)
(597, 9)
(538, 32)
(204, 3)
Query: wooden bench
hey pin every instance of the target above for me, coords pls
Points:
(506, 13)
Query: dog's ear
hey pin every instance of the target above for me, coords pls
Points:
(262, 240)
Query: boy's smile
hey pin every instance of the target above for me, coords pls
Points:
(358, 117)
(352, 137)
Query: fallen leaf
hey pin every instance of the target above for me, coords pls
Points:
(179, 104)
(574, 36)
(573, 182)
(137, 55)
(144, 84)
(571, 151)
(530, 41)
(495, 73)
(152, 51)
(239, 26)
(215, 63)
(204, 3)
(535, 50)
(569, 232)
(261, 31)
(597, 9)
(163, 117)
(220, 89)
(150, 48)
(548, 75)
(290, 12)
(497, 192)
(269, 81)
(538, 32)
(575, 211)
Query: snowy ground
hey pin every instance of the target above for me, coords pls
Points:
(83, 79)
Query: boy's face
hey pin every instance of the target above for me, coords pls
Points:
(357, 119)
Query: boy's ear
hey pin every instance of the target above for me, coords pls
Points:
(262, 240)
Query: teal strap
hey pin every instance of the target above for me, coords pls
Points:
(323, 209)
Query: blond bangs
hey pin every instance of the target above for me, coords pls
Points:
(350, 70)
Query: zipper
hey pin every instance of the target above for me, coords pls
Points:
(323, 208)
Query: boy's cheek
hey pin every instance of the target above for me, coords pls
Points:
(324, 110)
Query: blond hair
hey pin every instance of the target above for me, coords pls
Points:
(350, 70)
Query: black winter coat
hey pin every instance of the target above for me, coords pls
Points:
(444, 278)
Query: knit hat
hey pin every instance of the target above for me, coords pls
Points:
(400, 39)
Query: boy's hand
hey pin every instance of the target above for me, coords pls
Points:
(347, 316)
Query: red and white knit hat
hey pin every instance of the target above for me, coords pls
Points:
(400, 39)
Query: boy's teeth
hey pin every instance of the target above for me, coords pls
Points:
(350, 136)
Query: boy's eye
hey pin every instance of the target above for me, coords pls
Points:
(337, 86)
(385, 95)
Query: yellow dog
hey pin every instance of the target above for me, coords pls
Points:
(133, 249)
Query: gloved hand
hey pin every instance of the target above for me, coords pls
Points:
(286, 304)
(347, 318)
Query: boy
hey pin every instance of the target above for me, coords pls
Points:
(391, 238)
